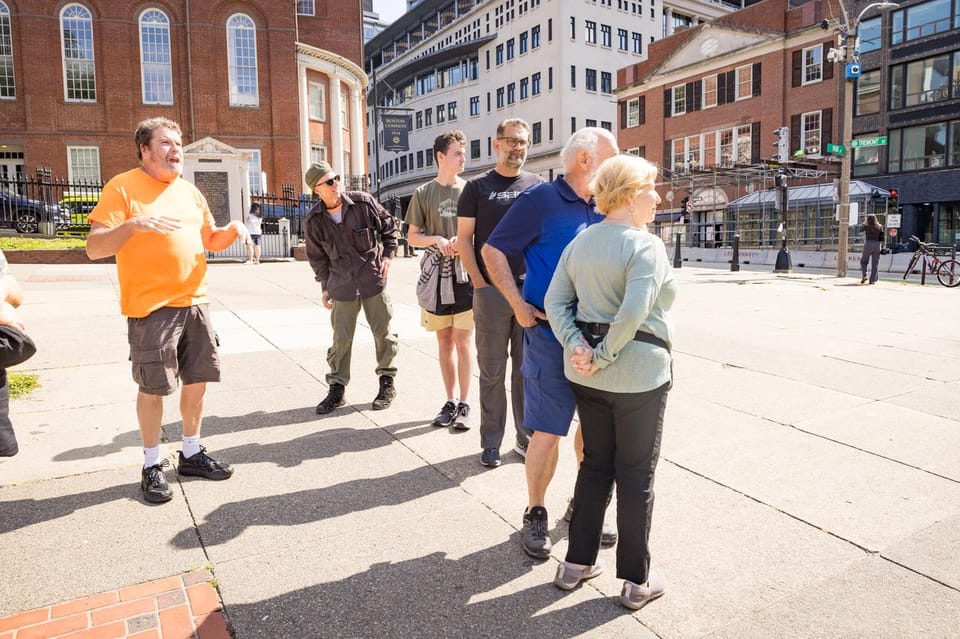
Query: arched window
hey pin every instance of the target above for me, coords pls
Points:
(242, 61)
(155, 68)
(76, 35)
(8, 87)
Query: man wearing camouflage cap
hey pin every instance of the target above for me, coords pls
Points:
(350, 241)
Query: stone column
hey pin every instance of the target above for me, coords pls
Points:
(357, 127)
(305, 140)
(336, 126)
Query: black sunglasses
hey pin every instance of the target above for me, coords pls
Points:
(331, 181)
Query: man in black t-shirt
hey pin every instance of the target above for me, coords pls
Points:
(484, 201)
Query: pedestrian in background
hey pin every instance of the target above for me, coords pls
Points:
(255, 228)
(350, 241)
(160, 228)
(444, 291)
(872, 245)
(609, 305)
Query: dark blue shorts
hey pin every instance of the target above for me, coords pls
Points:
(548, 400)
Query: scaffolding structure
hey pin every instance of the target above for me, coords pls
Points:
(706, 207)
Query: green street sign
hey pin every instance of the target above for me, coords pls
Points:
(880, 141)
(835, 149)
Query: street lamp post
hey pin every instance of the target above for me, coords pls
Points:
(851, 56)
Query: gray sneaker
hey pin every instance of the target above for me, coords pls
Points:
(636, 596)
(446, 415)
(462, 420)
(569, 576)
(535, 535)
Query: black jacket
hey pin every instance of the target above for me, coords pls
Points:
(346, 258)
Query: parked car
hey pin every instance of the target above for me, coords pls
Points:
(25, 214)
(80, 205)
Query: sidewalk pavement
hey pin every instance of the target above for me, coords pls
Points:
(809, 483)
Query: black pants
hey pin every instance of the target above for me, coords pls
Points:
(621, 441)
(8, 440)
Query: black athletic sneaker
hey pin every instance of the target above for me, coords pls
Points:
(490, 457)
(203, 465)
(154, 485)
(446, 415)
(536, 541)
(332, 401)
(386, 394)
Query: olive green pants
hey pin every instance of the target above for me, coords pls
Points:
(378, 311)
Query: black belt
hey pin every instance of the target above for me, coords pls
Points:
(593, 332)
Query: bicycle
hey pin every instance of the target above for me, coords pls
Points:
(946, 270)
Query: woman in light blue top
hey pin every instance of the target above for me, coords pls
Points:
(609, 305)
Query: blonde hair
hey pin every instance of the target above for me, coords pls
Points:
(619, 178)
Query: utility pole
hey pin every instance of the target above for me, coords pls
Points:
(850, 55)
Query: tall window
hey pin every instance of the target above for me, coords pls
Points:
(242, 61)
(83, 164)
(305, 8)
(475, 105)
(813, 64)
(637, 42)
(7, 85)
(591, 79)
(710, 91)
(318, 153)
(535, 83)
(622, 39)
(535, 37)
(255, 172)
(318, 101)
(606, 35)
(679, 99)
(79, 74)
(810, 130)
(868, 93)
(591, 30)
(744, 81)
(523, 42)
(155, 64)
(633, 112)
(606, 82)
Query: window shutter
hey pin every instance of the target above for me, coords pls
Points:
(826, 128)
(667, 102)
(827, 65)
(668, 154)
(755, 143)
(622, 105)
(731, 86)
(796, 135)
(721, 88)
(690, 101)
(756, 79)
(797, 68)
(697, 95)
(642, 107)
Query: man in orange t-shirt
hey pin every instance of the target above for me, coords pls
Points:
(159, 227)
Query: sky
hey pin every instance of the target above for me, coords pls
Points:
(390, 10)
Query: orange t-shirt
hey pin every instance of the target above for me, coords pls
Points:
(155, 269)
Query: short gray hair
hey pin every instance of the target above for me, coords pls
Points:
(585, 139)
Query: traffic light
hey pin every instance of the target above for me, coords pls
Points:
(782, 144)
(894, 198)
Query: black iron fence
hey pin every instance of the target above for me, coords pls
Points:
(44, 204)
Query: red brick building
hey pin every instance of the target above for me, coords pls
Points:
(706, 102)
(281, 80)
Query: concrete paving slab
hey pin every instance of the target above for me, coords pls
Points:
(940, 399)
(871, 599)
(85, 534)
(859, 497)
(776, 399)
(68, 387)
(932, 552)
(714, 571)
(929, 443)
(440, 576)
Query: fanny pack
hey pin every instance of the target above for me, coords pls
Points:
(594, 332)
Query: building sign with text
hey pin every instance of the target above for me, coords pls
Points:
(395, 130)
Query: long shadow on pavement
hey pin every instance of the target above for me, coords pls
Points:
(426, 597)
(228, 521)
(27, 512)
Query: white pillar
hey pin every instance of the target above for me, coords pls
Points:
(668, 13)
(304, 123)
(336, 126)
(358, 153)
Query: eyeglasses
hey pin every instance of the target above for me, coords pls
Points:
(515, 143)
(332, 181)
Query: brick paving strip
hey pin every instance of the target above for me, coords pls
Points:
(181, 607)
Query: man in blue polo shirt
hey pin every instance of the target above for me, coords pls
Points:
(539, 225)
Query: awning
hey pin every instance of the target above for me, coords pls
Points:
(668, 216)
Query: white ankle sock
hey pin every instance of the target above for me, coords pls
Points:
(191, 446)
(151, 456)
